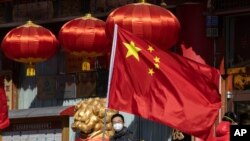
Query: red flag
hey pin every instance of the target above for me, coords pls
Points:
(162, 86)
(190, 54)
(4, 120)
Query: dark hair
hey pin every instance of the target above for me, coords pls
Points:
(117, 115)
(229, 116)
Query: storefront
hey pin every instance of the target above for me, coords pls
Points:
(237, 94)
(238, 98)
(35, 124)
(233, 53)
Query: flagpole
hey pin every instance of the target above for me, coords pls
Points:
(111, 66)
(112, 59)
(220, 91)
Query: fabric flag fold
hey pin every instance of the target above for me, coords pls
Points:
(162, 86)
(4, 120)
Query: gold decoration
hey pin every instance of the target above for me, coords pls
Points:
(88, 15)
(241, 81)
(142, 1)
(31, 24)
(89, 118)
(30, 71)
(238, 70)
(177, 135)
(86, 64)
(30, 59)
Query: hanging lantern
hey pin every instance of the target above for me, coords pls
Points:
(85, 37)
(29, 44)
(147, 21)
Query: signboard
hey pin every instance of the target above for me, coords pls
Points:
(212, 32)
(212, 21)
(212, 24)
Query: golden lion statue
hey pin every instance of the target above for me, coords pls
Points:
(89, 119)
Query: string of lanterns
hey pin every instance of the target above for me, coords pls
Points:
(90, 37)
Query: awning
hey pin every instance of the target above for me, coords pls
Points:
(42, 112)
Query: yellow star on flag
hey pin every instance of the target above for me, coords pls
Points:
(150, 49)
(151, 71)
(157, 59)
(132, 50)
(157, 65)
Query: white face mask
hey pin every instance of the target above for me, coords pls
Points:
(118, 127)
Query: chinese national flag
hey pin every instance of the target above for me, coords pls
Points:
(162, 86)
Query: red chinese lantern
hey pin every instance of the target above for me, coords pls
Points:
(29, 43)
(86, 37)
(148, 21)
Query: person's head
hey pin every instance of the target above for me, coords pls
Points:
(230, 117)
(117, 122)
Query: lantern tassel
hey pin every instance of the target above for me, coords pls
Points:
(86, 64)
(30, 71)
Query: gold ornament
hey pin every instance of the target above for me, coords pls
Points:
(177, 135)
(89, 118)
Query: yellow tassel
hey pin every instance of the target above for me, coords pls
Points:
(30, 71)
(85, 65)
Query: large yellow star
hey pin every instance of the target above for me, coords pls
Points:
(132, 50)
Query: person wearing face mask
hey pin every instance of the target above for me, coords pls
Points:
(121, 132)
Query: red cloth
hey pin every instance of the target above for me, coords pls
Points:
(163, 86)
(4, 120)
(189, 53)
(223, 131)
(211, 136)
